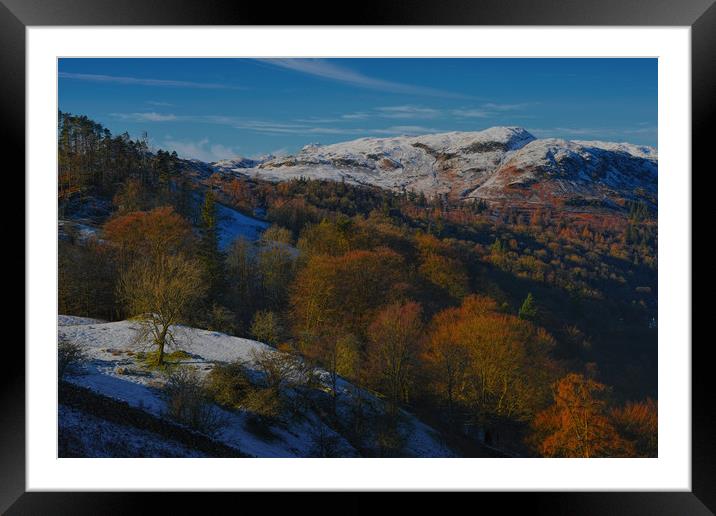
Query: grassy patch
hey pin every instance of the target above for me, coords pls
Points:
(148, 359)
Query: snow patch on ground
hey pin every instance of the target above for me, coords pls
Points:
(73, 320)
(111, 370)
(73, 229)
(234, 224)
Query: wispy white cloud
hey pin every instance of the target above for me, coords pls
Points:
(555, 132)
(413, 112)
(506, 107)
(358, 115)
(408, 111)
(471, 113)
(642, 130)
(600, 132)
(141, 81)
(260, 126)
(272, 127)
(490, 110)
(407, 130)
(403, 112)
(337, 124)
(319, 120)
(146, 117)
(327, 70)
(584, 130)
(158, 103)
(202, 149)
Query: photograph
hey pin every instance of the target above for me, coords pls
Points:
(357, 257)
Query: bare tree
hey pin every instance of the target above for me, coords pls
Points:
(282, 370)
(394, 337)
(160, 291)
(189, 402)
(339, 356)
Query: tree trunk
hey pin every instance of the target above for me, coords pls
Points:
(160, 344)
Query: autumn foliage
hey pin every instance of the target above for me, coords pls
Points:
(578, 423)
(488, 363)
(343, 293)
(148, 233)
(481, 317)
(638, 421)
(394, 337)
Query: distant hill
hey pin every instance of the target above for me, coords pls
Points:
(500, 164)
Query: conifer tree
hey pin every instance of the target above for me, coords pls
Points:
(496, 247)
(528, 310)
(209, 252)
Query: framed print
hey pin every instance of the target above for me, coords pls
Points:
(432, 250)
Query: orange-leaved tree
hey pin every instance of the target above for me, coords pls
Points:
(341, 294)
(439, 268)
(143, 234)
(638, 421)
(445, 358)
(577, 424)
(489, 363)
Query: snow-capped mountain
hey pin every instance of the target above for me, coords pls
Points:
(453, 163)
(496, 164)
(238, 162)
(551, 169)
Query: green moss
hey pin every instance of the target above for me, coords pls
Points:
(149, 359)
(177, 355)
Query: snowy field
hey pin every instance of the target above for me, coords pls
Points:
(233, 224)
(73, 320)
(112, 370)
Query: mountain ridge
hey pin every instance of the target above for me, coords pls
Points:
(503, 163)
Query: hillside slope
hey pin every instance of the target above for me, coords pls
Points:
(113, 370)
(545, 171)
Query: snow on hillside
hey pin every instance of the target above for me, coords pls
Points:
(69, 229)
(404, 147)
(444, 162)
(112, 371)
(238, 162)
(639, 151)
(550, 151)
(73, 320)
(233, 224)
(548, 168)
(469, 164)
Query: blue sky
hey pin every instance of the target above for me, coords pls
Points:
(219, 108)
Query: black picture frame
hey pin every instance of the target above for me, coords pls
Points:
(700, 15)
